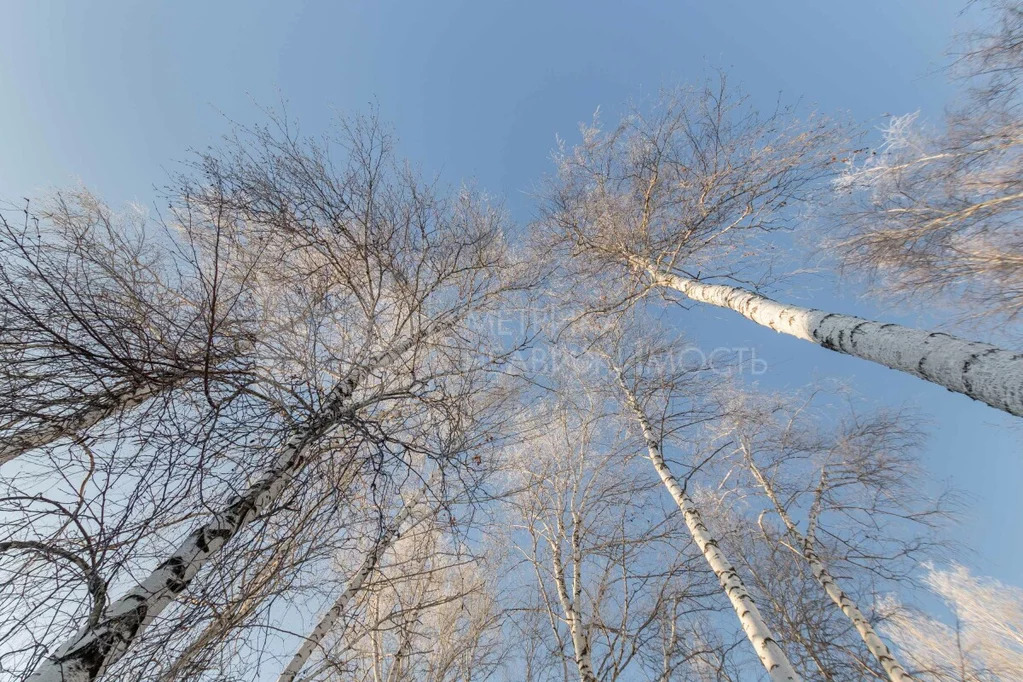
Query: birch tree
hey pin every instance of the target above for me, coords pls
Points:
(102, 312)
(851, 502)
(651, 381)
(820, 641)
(805, 542)
(388, 535)
(417, 265)
(612, 569)
(242, 606)
(682, 201)
(985, 641)
(228, 622)
(427, 613)
(935, 210)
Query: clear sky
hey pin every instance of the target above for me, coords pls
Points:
(112, 94)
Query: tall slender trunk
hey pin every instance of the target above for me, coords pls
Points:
(668, 647)
(981, 371)
(96, 647)
(874, 643)
(390, 534)
(21, 441)
(766, 646)
(570, 603)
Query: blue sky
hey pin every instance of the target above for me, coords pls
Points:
(113, 94)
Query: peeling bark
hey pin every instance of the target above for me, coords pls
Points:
(983, 372)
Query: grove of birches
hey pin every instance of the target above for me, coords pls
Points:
(315, 416)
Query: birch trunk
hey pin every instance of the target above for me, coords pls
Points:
(391, 533)
(570, 604)
(85, 657)
(767, 648)
(20, 442)
(874, 643)
(981, 371)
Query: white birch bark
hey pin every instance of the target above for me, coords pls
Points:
(85, 657)
(981, 371)
(571, 604)
(390, 535)
(766, 646)
(874, 643)
(22, 441)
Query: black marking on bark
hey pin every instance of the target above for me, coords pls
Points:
(967, 364)
(818, 331)
(134, 618)
(92, 657)
(923, 372)
(215, 534)
(852, 332)
(200, 542)
(177, 582)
